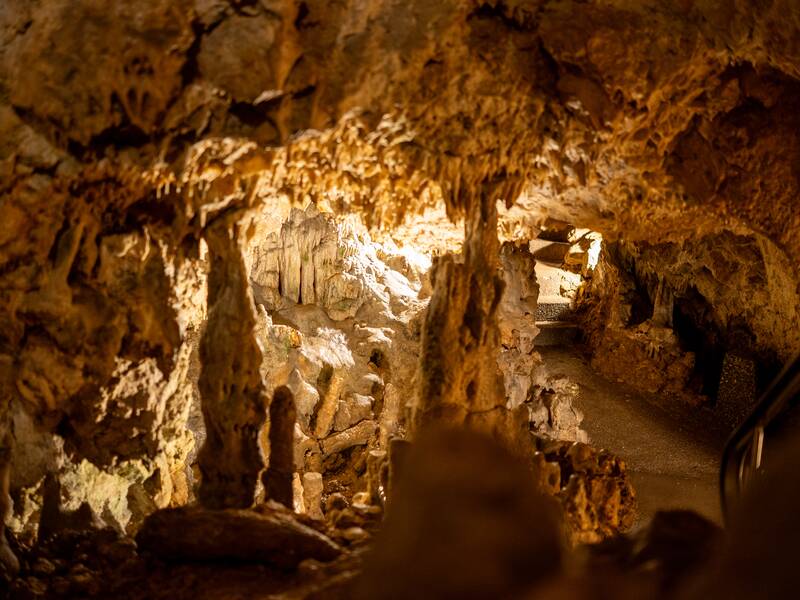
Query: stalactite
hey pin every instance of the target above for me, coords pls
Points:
(232, 391)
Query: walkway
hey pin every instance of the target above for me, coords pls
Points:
(672, 457)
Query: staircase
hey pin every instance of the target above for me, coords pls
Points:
(557, 288)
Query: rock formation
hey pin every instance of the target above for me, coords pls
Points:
(196, 206)
(233, 396)
(665, 317)
(596, 495)
(459, 379)
(279, 475)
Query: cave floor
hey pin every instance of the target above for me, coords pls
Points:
(672, 450)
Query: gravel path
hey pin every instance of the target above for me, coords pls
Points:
(672, 450)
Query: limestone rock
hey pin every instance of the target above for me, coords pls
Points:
(306, 263)
(390, 416)
(338, 369)
(516, 319)
(234, 399)
(304, 448)
(552, 410)
(330, 405)
(458, 376)
(650, 357)
(452, 478)
(306, 398)
(240, 43)
(279, 477)
(669, 312)
(592, 485)
(312, 490)
(355, 436)
(271, 536)
(351, 411)
(119, 84)
(134, 134)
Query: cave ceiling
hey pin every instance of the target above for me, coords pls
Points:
(657, 119)
(145, 145)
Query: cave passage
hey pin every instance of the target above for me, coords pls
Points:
(383, 300)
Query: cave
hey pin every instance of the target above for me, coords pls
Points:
(382, 300)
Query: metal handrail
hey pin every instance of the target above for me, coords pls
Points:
(743, 457)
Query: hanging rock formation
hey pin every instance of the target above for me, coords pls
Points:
(128, 129)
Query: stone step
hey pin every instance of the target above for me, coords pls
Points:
(549, 251)
(554, 308)
(555, 333)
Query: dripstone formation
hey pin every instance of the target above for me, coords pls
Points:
(251, 248)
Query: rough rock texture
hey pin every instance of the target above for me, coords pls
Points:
(662, 317)
(306, 263)
(280, 472)
(128, 128)
(234, 399)
(106, 365)
(592, 485)
(458, 377)
(517, 322)
(270, 536)
(348, 361)
(551, 409)
(453, 478)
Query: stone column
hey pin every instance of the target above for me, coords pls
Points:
(279, 473)
(232, 392)
(459, 381)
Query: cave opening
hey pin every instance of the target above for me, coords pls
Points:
(688, 313)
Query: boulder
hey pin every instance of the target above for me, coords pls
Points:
(352, 410)
(272, 536)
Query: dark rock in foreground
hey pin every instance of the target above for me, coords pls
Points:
(198, 534)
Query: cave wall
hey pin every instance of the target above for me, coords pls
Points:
(665, 317)
(339, 321)
(593, 107)
(127, 129)
(96, 319)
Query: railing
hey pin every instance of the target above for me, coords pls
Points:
(743, 457)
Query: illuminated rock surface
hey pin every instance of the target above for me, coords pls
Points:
(204, 200)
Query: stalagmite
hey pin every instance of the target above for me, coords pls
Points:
(279, 473)
(330, 402)
(390, 415)
(459, 382)
(377, 476)
(7, 558)
(233, 396)
(312, 494)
